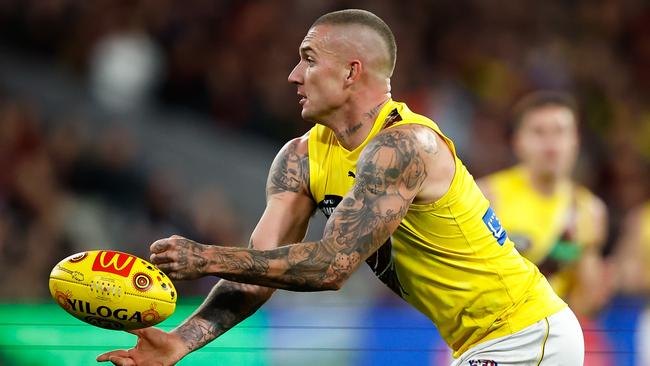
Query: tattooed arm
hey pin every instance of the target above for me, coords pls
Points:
(285, 219)
(390, 173)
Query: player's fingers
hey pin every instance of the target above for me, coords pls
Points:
(106, 356)
(175, 275)
(165, 257)
(160, 246)
(121, 361)
(167, 267)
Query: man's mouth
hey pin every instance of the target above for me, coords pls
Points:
(301, 99)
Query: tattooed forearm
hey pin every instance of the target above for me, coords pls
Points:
(297, 267)
(197, 332)
(240, 261)
(289, 172)
(191, 255)
(389, 175)
(228, 304)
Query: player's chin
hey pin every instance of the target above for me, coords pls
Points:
(552, 173)
(307, 115)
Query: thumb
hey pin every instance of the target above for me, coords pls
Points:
(138, 332)
(108, 355)
(150, 335)
(159, 246)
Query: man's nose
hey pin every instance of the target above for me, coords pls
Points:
(295, 75)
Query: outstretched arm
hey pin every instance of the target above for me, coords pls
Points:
(284, 220)
(390, 173)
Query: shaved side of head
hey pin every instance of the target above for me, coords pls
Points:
(367, 21)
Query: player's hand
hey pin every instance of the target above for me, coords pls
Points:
(154, 347)
(180, 258)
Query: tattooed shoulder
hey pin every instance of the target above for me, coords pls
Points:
(395, 156)
(290, 169)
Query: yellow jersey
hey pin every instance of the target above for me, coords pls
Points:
(644, 237)
(551, 231)
(450, 259)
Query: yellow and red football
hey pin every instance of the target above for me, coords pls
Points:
(112, 290)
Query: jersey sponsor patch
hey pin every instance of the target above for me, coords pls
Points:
(329, 203)
(494, 225)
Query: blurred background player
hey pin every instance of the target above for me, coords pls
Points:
(554, 221)
(633, 256)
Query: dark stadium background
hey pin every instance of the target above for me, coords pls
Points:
(122, 122)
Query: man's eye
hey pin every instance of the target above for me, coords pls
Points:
(310, 60)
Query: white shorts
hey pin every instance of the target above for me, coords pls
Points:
(643, 338)
(553, 341)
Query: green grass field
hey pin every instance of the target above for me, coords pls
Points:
(44, 334)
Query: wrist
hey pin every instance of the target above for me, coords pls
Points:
(179, 346)
(182, 344)
(215, 265)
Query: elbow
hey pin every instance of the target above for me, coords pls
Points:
(334, 283)
(332, 286)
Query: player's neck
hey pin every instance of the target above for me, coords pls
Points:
(354, 124)
(547, 184)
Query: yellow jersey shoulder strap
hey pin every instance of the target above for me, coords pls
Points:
(401, 115)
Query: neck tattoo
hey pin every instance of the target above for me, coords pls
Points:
(350, 130)
(372, 114)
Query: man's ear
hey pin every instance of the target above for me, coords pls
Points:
(355, 68)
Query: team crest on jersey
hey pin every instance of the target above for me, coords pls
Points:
(483, 363)
(494, 225)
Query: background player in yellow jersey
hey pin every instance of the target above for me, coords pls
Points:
(407, 206)
(633, 256)
(555, 222)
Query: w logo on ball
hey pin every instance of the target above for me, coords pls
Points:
(114, 262)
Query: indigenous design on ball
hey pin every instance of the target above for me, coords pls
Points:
(63, 298)
(114, 262)
(76, 275)
(79, 257)
(142, 281)
(151, 315)
(112, 290)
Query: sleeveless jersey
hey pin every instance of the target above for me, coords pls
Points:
(450, 259)
(551, 231)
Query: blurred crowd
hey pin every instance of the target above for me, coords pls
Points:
(64, 189)
(461, 62)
